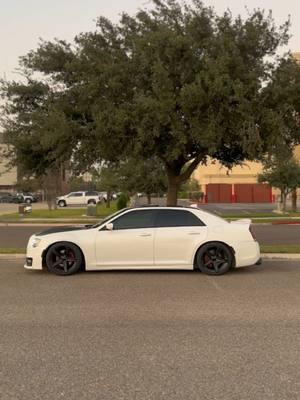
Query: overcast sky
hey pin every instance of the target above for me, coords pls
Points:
(23, 22)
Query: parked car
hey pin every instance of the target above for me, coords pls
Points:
(6, 197)
(103, 196)
(27, 198)
(147, 238)
(78, 198)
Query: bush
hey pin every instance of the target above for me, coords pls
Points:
(183, 194)
(197, 195)
(122, 201)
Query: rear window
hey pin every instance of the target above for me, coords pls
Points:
(173, 218)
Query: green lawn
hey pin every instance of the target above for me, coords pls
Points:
(260, 215)
(289, 248)
(102, 212)
(12, 250)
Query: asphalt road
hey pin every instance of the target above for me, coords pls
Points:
(150, 335)
(17, 236)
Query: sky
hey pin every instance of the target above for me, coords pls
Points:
(24, 22)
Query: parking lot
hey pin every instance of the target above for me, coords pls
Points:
(150, 335)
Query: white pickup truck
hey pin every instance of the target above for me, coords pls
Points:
(78, 198)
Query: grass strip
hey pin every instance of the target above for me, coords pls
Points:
(284, 249)
(12, 250)
(76, 213)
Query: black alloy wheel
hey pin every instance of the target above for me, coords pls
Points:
(214, 258)
(63, 258)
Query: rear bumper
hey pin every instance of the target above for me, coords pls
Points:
(247, 253)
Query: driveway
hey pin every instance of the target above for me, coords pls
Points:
(150, 335)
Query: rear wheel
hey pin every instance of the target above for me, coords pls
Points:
(64, 258)
(92, 202)
(214, 258)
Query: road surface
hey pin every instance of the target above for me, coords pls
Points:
(150, 335)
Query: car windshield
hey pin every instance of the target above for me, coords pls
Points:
(109, 218)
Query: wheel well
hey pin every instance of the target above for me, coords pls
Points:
(215, 241)
(74, 244)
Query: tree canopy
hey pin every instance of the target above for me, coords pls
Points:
(174, 81)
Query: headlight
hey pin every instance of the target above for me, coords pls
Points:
(35, 242)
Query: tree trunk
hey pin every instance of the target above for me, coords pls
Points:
(149, 198)
(294, 200)
(172, 195)
(284, 202)
(108, 199)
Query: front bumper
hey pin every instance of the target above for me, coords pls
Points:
(34, 258)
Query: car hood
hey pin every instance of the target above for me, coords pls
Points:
(60, 229)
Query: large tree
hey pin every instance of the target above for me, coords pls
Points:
(283, 174)
(175, 81)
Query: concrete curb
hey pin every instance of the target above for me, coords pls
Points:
(280, 256)
(12, 256)
(265, 256)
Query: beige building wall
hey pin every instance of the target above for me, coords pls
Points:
(214, 172)
(7, 178)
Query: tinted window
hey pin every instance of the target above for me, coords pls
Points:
(77, 194)
(91, 194)
(172, 218)
(135, 220)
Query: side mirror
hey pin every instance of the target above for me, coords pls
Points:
(109, 227)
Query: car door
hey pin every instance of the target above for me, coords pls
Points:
(177, 235)
(130, 242)
(75, 198)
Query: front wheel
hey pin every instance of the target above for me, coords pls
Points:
(62, 203)
(63, 258)
(214, 258)
(28, 201)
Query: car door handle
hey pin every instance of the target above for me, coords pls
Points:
(145, 234)
(194, 233)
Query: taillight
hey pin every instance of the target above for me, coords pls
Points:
(252, 233)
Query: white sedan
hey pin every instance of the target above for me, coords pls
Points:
(147, 238)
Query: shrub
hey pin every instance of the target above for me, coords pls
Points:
(122, 201)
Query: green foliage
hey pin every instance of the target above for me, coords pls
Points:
(122, 201)
(175, 82)
(282, 174)
(138, 175)
(78, 183)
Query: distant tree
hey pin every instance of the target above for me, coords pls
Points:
(283, 174)
(107, 178)
(143, 176)
(175, 81)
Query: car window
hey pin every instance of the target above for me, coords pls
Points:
(76, 194)
(172, 218)
(91, 193)
(135, 220)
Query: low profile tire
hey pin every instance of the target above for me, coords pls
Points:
(214, 258)
(62, 203)
(63, 258)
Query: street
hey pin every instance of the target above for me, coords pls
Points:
(150, 335)
(17, 236)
